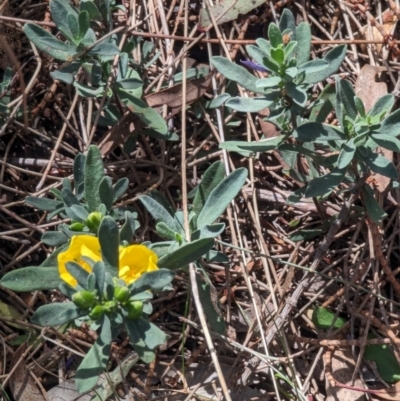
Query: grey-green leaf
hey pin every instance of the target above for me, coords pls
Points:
(56, 314)
(319, 133)
(109, 242)
(221, 196)
(94, 173)
(235, 73)
(186, 254)
(32, 278)
(48, 43)
(346, 154)
(250, 104)
(212, 177)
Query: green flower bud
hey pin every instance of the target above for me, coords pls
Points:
(96, 312)
(76, 226)
(84, 299)
(121, 294)
(109, 306)
(93, 221)
(135, 309)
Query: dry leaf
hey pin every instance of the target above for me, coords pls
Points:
(119, 133)
(369, 91)
(391, 393)
(23, 387)
(342, 366)
(172, 96)
(389, 20)
(226, 11)
(268, 129)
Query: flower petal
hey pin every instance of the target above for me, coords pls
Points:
(134, 260)
(80, 245)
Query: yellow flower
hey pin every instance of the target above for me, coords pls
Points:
(81, 245)
(134, 260)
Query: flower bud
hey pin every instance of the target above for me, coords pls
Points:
(109, 306)
(121, 294)
(96, 312)
(93, 221)
(76, 226)
(84, 299)
(135, 309)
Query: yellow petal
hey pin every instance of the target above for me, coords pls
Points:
(80, 245)
(134, 260)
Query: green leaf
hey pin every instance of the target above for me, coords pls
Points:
(152, 336)
(186, 254)
(147, 114)
(90, 7)
(48, 205)
(106, 192)
(334, 58)
(346, 154)
(303, 38)
(345, 98)
(165, 231)
(323, 319)
(159, 212)
(211, 308)
(109, 242)
(374, 210)
(324, 105)
(386, 141)
(325, 184)
(212, 177)
(360, 106)
(208, 231)
(94, 173)
(270, 82)
(79, 213)
(218, 101)
(306, 234)
(278, 55)
(105, 49)
(251, 104)
(84, 23)
(391, 124)
(154, 281)
(88, 91)
(73, 25)
(48, 43)
(386, 363)
(288, 23)
(78, 272)
(54, 238)
(379, 164)
(120, 188)
(128, 229)
(317, 132)
(256, 53)
(383, 105)
(313, 66)
(59, 11)
(221, 196)
(32, 278)
(274, 35)
(95, 360)
(79, 175)
(56, 314)
(235, 73)
(298, 95)
(261, 146)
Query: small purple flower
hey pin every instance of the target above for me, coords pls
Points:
(254, 66)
